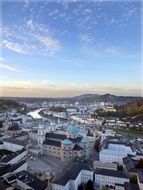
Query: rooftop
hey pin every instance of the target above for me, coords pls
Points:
(52, 142)
(85, 140)
(131, 186)
(112, 173)
(55, 136)
(70, 173)
(73, 129)
(6, 158)
(14, 127)
(31, 180)
(66, 142)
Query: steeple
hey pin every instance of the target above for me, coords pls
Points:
(6, 124)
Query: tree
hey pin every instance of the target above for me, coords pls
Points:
(139, 164)
(120, 167)
(89, 185)
(1, 124)
(80, 187)
(133, 178)
(97, 145)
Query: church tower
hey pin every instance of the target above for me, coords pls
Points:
(41, 136)
(6, 125)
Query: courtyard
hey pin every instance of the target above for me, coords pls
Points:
(45, 164)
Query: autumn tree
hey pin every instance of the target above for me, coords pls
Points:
(97, 145)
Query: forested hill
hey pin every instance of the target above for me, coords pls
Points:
(7, 104)
(132, 108)
(132, 111)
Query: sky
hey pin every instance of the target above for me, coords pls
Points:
(65, 48)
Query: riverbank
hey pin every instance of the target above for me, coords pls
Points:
(51, 116)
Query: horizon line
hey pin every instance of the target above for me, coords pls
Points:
(44, 97)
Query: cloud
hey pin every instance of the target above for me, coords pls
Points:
(61, 89)
(4, 66)
(113, 50)
(86, 38)
(88, 11)
(30, 37)
(13, 46)
(2, 59)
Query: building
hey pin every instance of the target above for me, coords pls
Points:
(110, 166)
(109, 178)
(14, 129)
(24, 180)
(65, 147)
(115, 151)
(13, 158)
(72, 176)
(13, 144)
(130, 163)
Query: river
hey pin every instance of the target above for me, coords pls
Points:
(35, 114)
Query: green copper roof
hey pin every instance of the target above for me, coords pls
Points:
(85, 140)
(73, 129)
(66, 142)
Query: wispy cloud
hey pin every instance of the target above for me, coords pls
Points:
(30, 37)
(14, 46)
(5, 66)
(113, 50)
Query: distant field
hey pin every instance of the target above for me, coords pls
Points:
(131, 132)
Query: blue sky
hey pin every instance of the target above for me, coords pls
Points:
(65, 48)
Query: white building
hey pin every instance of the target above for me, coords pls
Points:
(13, 144)
(115, 152)
(109, 178)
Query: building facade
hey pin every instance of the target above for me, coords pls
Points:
(66, 147)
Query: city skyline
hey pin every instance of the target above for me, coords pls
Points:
(67, 48)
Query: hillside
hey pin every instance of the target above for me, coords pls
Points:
(106, 98)
(132, 111)
(7, 104)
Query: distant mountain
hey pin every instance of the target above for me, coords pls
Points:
(85, 98)
(106, 98)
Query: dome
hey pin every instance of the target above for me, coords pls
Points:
(73, 129)
(85, 140)
(66, 142)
